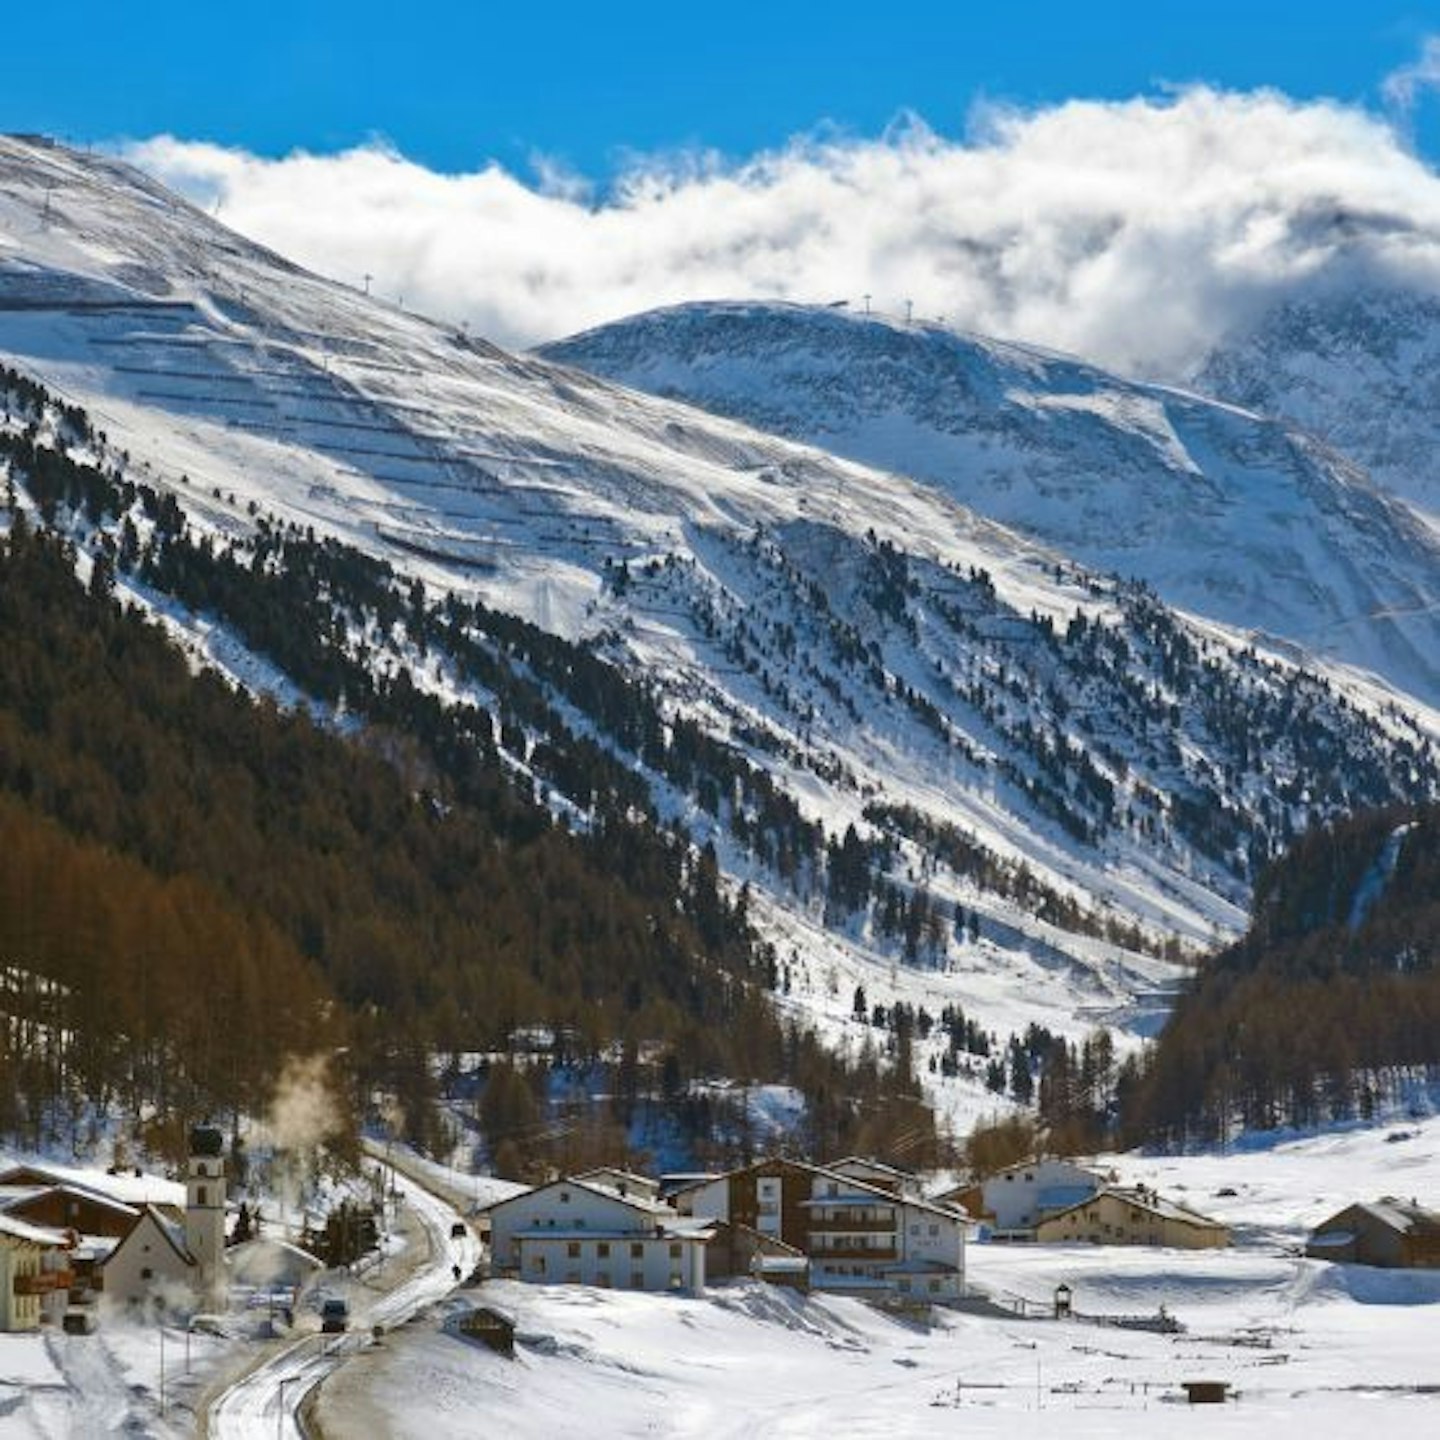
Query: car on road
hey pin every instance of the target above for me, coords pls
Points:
(334, 1316)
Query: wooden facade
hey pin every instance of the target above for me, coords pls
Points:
(1388, 1233)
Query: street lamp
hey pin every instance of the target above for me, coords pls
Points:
(280, 1415)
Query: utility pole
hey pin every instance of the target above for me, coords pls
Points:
(909, 310)
(368, 278)
(867, 302)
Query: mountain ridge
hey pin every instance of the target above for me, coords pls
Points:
(1228, 514)
(1049, 774)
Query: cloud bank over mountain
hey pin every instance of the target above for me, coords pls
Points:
(1137, 233)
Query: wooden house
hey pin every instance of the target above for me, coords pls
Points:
(858, 1236)
(1386, 1232)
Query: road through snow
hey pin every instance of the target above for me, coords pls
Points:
(267, 1400)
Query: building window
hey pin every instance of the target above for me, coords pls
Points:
(636, 1250)
(202, 1196)
(572, 1250)
(564, 1197)
(602, 1249)
(1029, 1175)
(637, 1280)
(935, 1229)
(934, 1287)
(674, 1251)
(147, 1273)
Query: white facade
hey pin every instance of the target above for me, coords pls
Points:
(710, 1199)
(149, 1262)
(205, 1226)
(866, 1238)
(1020, 1197)
(579, 1232)
(619, 1260)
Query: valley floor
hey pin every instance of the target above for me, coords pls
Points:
(1304, 1343)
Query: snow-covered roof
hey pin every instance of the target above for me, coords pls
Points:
(14, 1196)
(1147, 1200)
(642, 1204)
(31, 1234)
(124, 1185)
(780, 1264)
(1400, 1216)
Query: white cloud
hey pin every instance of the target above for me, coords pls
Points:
(1136, 233)
(1403, 87)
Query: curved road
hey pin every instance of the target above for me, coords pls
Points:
(267, 1400)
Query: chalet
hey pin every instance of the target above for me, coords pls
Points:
(1386, 1232)
(68, 1207)
(858, 1236)
(1132, 1216)
(876, 1172)
(582, 1232)
(623, 1182)
(1013, 1201)
(118, 1184)
(34, 1266)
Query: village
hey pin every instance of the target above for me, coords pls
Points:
(83, 1252)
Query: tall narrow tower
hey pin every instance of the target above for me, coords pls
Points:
(205, 1212)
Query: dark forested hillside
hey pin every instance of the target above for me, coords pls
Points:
(407, 870)
(1330, 999)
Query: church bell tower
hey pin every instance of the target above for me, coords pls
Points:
(205, 1212)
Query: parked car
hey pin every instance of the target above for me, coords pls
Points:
(334, 1316)
(457, 1230)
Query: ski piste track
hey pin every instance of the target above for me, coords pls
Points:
(267, 1400)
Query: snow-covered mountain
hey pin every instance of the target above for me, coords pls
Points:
(1055, 781)
(1223, 512)
(1360, 368)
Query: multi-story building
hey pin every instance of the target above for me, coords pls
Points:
(859, 1236)
(585, 1232)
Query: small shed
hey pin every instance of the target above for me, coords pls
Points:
(1206, 1392)
(491, 1328)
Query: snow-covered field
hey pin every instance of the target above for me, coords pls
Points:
(1304, 1343)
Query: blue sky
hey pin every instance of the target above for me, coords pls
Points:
(452, 85)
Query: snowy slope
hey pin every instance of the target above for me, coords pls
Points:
(1360, 368)
(886, 656)
(1223, 512)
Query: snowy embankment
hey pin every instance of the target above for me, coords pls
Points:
(1304, 1343)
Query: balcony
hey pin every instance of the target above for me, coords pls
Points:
(43, 1283)
(849, 1250)
(842, 1218)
